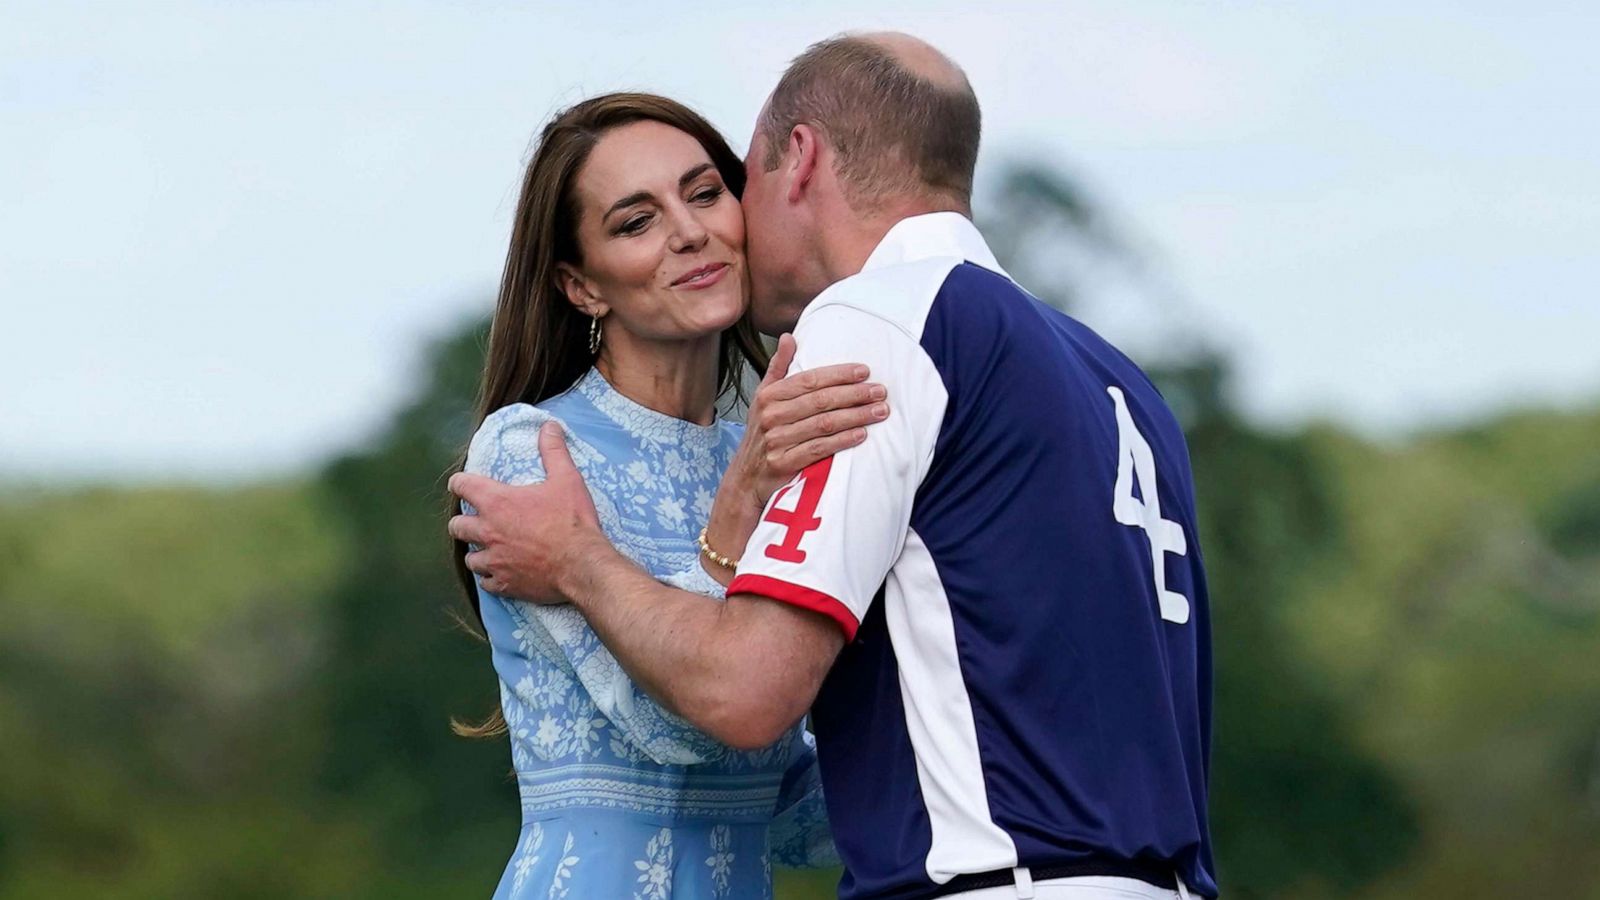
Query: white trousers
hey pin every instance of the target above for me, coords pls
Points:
(1085, 887)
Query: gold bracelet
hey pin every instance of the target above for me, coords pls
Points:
(713, 555)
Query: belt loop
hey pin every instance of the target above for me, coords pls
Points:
(1024, 881)
(1183, 889)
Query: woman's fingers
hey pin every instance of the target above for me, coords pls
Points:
(838, 421)
(788, 462)
(802, 383)
(778, 366)
(814, 404)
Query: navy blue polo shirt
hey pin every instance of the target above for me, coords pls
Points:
(1012, 557)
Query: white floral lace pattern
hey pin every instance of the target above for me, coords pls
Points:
(564, 866)
(527, 856)
(721, 859)
(598, 761)
(655, 869)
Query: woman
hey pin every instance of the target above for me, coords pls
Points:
(623, 314)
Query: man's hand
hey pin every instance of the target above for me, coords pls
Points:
(530, 538)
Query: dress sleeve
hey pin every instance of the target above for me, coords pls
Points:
(799, 834)
(506, 448)
(696, 580)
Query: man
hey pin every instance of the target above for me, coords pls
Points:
(994, 607)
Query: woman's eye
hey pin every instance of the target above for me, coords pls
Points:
(707, 195)
(633, 225)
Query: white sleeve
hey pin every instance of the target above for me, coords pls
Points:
(829, 537)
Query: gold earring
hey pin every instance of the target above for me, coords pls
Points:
(594, 335)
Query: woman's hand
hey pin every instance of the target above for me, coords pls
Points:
(794, 421)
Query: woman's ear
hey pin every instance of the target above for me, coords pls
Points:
(579, 291)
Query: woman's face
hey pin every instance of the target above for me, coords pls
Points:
(662, 238)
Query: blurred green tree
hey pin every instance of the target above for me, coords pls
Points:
(398, 665)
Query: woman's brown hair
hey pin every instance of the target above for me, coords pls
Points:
(538, 342)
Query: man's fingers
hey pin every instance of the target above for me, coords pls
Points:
(553, 451)
(478, 562)
(815, 379)
(778, 366)
(472, 488)
(468, 529)
(864, 397)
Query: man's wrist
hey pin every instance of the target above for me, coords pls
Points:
(585, 556)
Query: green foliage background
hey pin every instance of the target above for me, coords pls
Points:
(245, 692)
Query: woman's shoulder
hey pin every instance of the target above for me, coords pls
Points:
(516, 416)
(507, 436)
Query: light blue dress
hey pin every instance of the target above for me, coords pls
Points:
(621, 798)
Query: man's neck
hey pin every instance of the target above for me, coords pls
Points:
(846, 248)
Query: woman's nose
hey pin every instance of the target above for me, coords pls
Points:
(688, 234)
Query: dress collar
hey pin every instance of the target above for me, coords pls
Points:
(931, 235)
(641, 420)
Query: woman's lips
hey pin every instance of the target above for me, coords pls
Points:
(703, 277)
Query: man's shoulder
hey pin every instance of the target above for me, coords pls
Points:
(900, 295)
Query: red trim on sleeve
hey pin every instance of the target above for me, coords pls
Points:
(794, 594)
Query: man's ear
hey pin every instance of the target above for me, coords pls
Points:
(803, 158)
(579, 290)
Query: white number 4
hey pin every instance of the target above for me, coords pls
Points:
(1134, 459)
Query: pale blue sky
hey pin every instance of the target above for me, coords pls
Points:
(227, 228)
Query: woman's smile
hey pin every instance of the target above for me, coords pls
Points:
(702, 277)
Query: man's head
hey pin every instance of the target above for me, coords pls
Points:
(861, 131)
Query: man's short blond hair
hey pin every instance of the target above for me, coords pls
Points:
(894, 132)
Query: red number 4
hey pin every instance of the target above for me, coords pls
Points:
(803, 518)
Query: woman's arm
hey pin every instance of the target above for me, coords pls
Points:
(793, 422)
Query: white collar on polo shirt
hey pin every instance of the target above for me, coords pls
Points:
(932, 235)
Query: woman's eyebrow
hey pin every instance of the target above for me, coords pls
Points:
(692, 174)
(630, 200)
(642, 196)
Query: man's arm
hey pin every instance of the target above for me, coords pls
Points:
(743, 670)
(746, 671)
